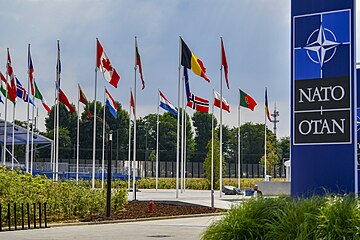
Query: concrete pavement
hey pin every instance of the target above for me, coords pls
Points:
(179, 229)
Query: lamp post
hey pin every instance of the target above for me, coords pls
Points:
(108, 194)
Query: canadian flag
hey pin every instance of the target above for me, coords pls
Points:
(103, 63)
(217, 102)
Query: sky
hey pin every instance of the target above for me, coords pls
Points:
(256, 35)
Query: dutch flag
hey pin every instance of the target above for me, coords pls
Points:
(166, 105)
(111, 104)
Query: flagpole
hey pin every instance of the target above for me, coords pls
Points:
(94, 130)
(239, 146)
(13, 138)
(129, 145)
(178, 127)
(27, 117)
(57, 114)
(212, 153)
(54, 149)
(77, 136)
(157, 143)
(134, 152)
(182, 137)
(185, 145)
(5, 127)
(265, 142)
(221, 150)
(32, 138)
(103, 146)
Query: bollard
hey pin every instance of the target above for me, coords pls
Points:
(8, 217)
(0, 218)
(15, 216)
(39, 215)
(45, 215)
(34, 215)
(22, 216)
(28, 214)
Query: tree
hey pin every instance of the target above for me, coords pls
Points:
(284, 147)
(202, 125)
(64, 142)
(207, 161)
(272, 158)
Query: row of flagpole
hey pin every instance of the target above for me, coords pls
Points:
(180, 156)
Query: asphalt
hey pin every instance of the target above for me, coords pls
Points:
(172, 228)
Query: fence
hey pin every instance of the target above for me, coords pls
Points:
(27, 216)
(166, 169)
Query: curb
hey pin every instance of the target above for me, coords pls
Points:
(135, 220)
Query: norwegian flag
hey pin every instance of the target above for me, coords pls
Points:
(198, 103)
(31, 72)
(103, 63)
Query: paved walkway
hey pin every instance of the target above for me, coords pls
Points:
(179, 229)
(200, 197)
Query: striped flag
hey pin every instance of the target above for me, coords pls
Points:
(22, 93)
(166, 104)
(84, 101)
(138, 63)
(217, 102)
(111, 104)
(39, 96)
(31, 73)
(267, 106)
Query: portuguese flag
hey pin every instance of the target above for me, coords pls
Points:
(247, 101)
(83, 100)
(190, 61)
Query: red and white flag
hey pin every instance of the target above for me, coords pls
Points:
(103, 63)
(12, 86)
(132, 102)
(217, 102)
(63, 99)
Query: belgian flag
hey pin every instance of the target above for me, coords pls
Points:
(190, 61)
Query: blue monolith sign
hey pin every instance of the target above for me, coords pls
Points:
(323, 95)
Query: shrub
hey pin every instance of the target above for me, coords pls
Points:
(330, 217)
(65, 200)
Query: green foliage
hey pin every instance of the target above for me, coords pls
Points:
(202, 125)
(331, 217)
(272, 159)
(65, 200)
(207, 162)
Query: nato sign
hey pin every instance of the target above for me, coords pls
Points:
(323, 130)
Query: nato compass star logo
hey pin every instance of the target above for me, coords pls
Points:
(321, 46)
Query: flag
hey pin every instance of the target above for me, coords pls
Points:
(111, 104)
(58, 67)
(224, 63)
(267, 106)
(190, 61)
(247, 101)
(12, 86)
(217, 102)
(31, 73)
(138, 63)
(187, 85)
(63, 99)
(22, 93)
(166, 105)
(132, 102)
(1, 100)
(198, 103)
(4, 85)
(103, 63)
(83, 100)
(38, 95)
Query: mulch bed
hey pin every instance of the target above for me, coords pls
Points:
(139, 209)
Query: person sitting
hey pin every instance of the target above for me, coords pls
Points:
(256, 192)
